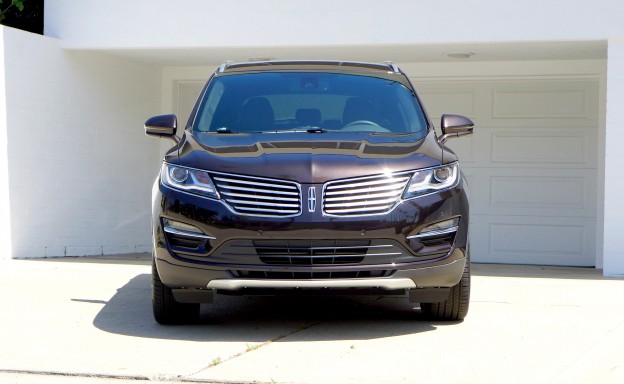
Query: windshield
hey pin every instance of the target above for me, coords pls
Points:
(310, 101)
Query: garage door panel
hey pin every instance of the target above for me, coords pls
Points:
(528, 147)
(541, 147)
(549, 103)
(532, 192)
(553, 241)
(540, 104)
(541, 192)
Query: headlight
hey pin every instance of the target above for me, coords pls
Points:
(188, 179)
(431, 180)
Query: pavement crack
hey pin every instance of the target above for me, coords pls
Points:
(75, 374)
(219, 361)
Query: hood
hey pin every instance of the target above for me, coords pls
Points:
(307, 157)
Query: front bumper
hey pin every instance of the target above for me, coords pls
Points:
(424, 284)
(231, 261)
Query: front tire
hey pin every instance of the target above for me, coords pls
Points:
(456, 306)
(166, 309)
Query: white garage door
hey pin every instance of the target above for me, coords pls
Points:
(531, 166)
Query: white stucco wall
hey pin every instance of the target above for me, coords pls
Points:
(614, 158)
(80, 166)
(245, 23)
(5, 209)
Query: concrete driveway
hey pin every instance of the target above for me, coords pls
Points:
(89, 320)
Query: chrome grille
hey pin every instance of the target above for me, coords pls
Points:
(363, 196)
(259, 196)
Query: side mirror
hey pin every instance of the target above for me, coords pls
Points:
(455, 126)
(162, 126)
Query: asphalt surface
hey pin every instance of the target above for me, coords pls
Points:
(88, 320)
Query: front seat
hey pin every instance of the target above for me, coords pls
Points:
(256, 115)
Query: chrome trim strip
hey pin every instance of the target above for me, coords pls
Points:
(444, 231)
(368, 209)
(389, 180)
(370, 196)
(266, 204)
(235, 188)
(270, 198)
(383, 283)
(181, 232)
(389, 187)
(266, 210)
(238, 181)
(364, 203)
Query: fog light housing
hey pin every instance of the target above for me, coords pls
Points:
(434, 240)
(173, 226)
(436, 229)
(186, 238)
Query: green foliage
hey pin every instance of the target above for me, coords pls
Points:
(19, 4)
(26, 15)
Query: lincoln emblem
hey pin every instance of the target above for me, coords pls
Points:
(311, 199)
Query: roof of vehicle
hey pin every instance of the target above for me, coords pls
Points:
(387, 70)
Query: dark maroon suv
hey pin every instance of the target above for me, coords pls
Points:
(312, 177)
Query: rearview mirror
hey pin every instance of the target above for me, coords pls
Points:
(162, 126)
(454, 126)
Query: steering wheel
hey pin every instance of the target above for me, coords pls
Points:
(361, 122)
(373, 127)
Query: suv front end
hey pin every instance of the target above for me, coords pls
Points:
(309, 177)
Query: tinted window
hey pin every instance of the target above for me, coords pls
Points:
(269, 102)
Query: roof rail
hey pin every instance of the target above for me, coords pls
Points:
(224, 66)
(379, 66)
(393, 66)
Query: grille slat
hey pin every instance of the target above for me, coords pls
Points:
(364, 203)
(381, 180)
(268, 198)
(347, 189)
(360, 211)
(369, 196)
(259, 196)
(256, 190)
(263, 203)
(249, 181)
(278, 212)
(363, 196)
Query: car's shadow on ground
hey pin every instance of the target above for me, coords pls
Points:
(258, 319)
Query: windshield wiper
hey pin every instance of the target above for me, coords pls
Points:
(308, 129)
(315, 130)
(224, 130)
